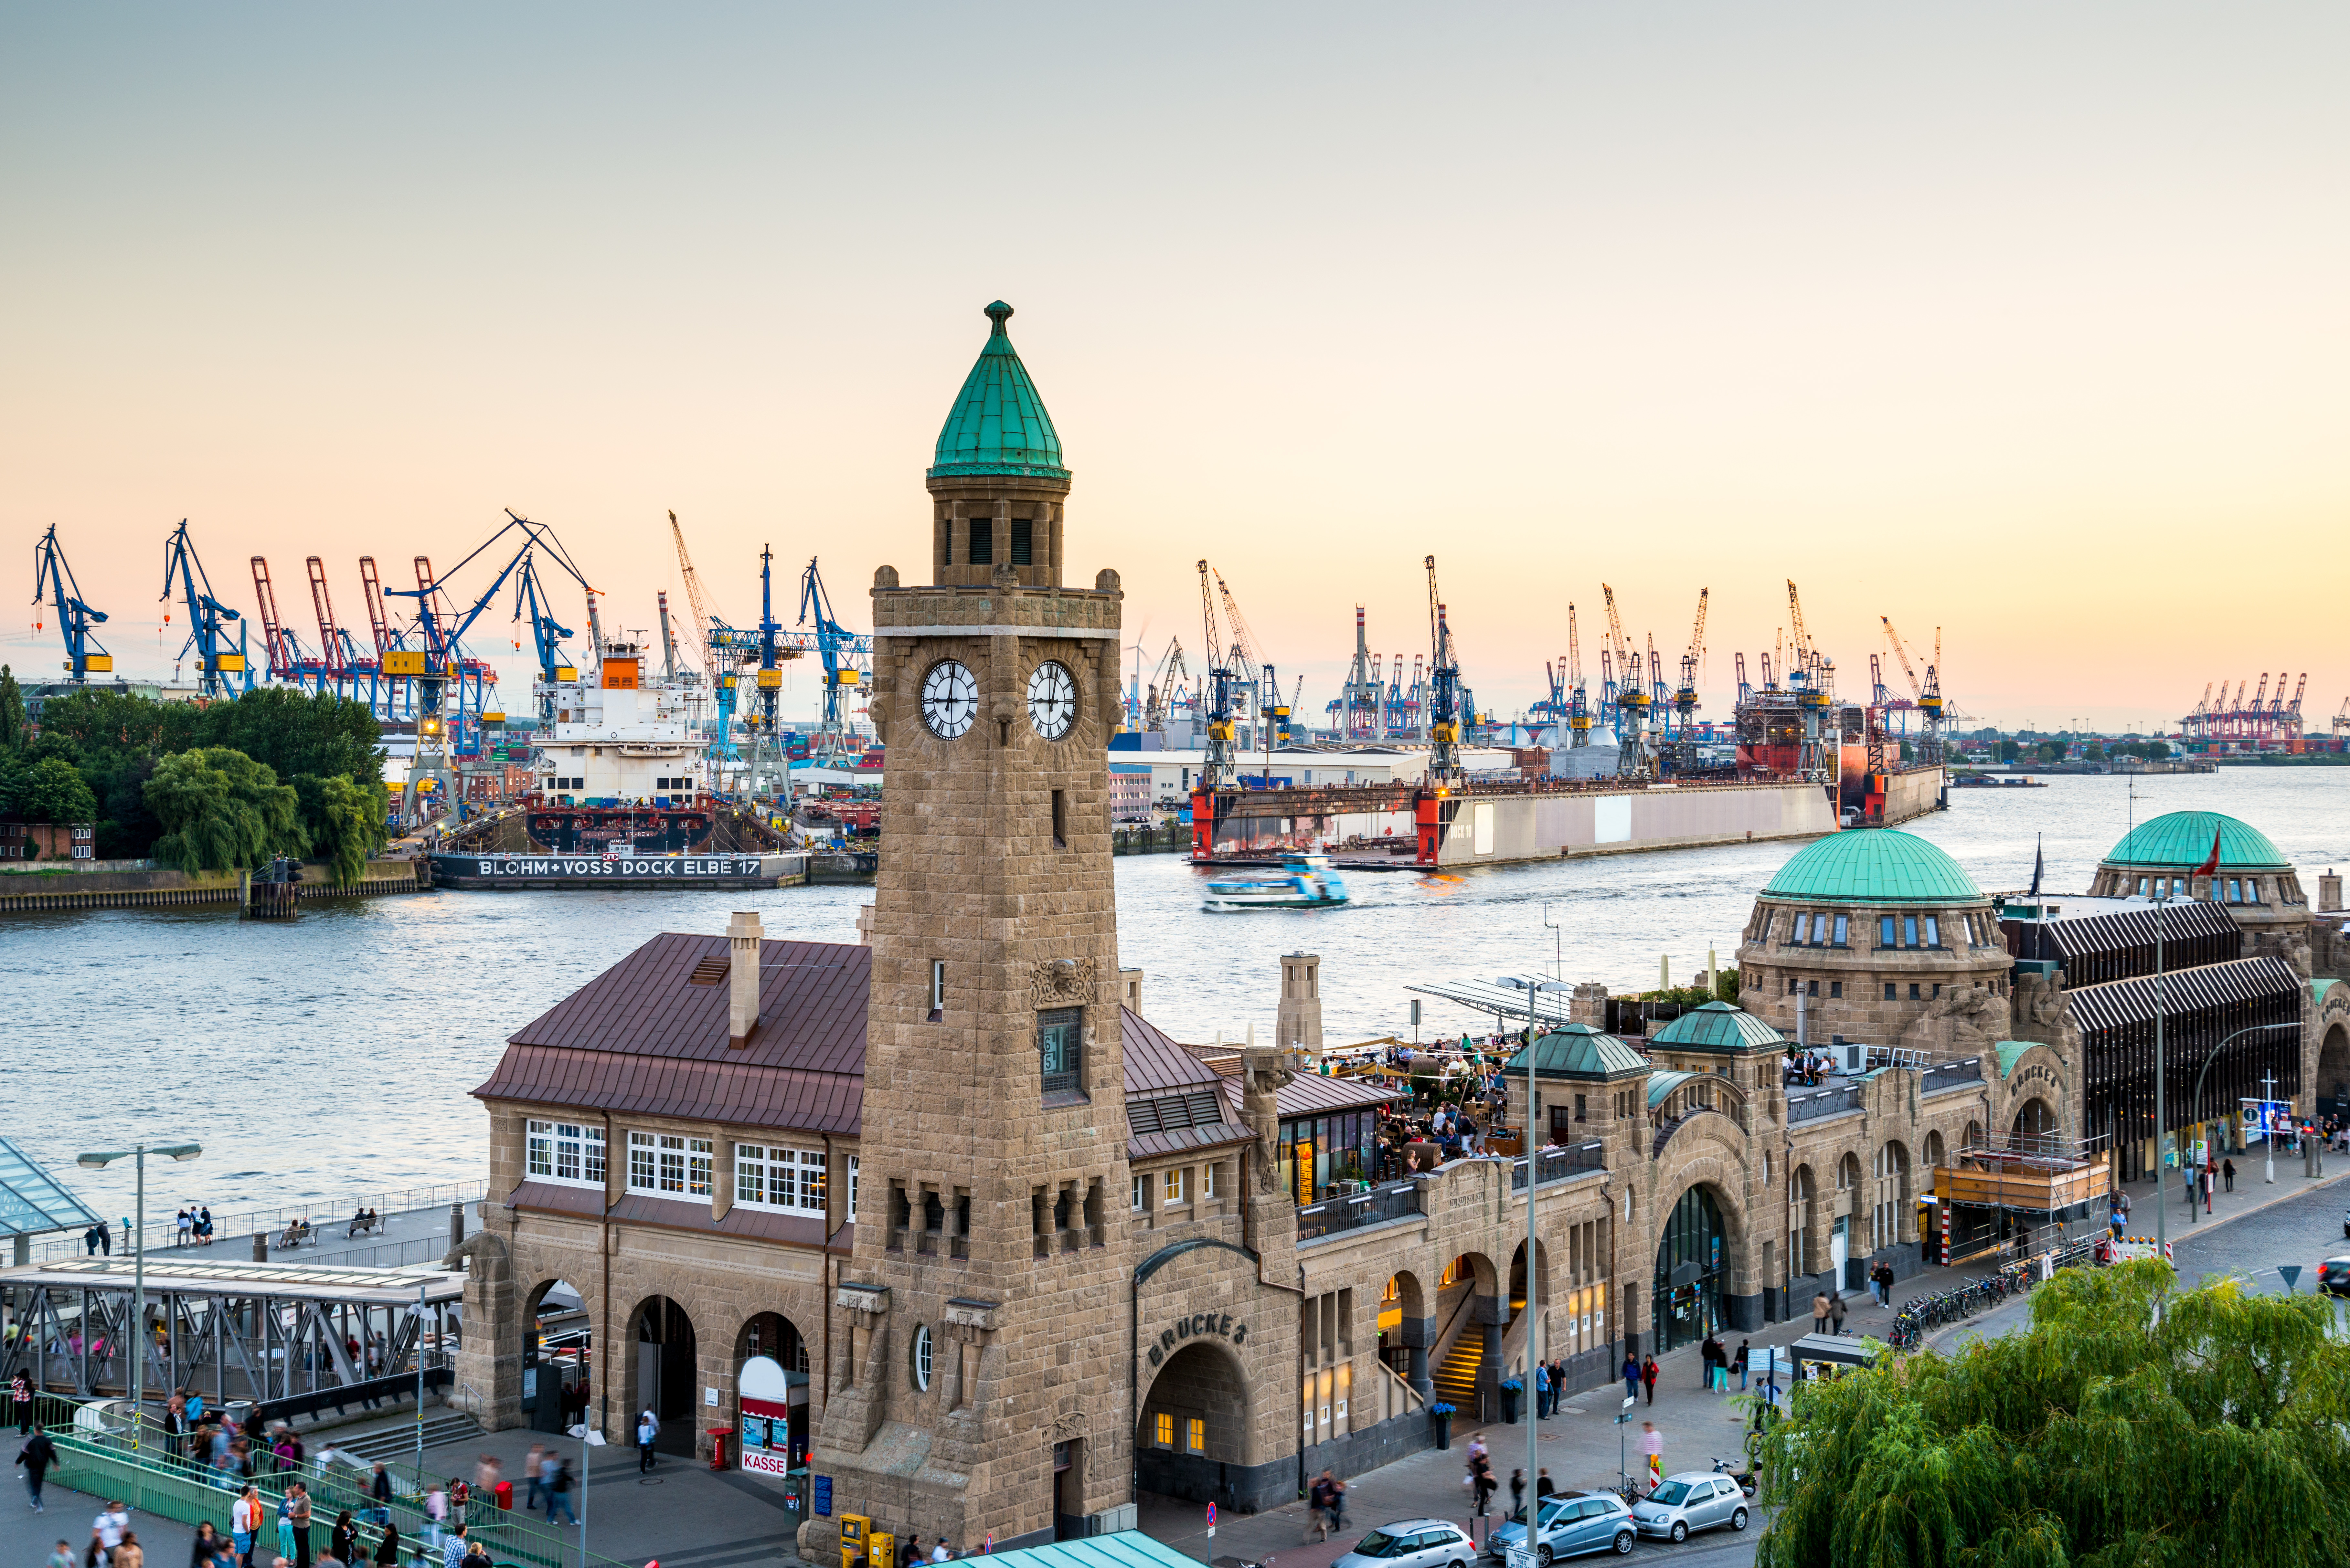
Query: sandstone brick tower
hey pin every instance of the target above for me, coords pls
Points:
(981, 1386)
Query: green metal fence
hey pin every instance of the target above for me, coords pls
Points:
(151, 1482)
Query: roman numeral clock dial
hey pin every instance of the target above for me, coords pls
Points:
(1052, 699)
(950, 700)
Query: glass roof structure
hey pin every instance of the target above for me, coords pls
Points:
(32, 1203)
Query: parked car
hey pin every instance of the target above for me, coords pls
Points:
(1572, 1524)
(1412, 1544)
(1694, 1499)
(2333, 1276)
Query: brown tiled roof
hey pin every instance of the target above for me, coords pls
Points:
(1312, 1094)
(557, 1197)
(1215, 1135)
(1154, 1061)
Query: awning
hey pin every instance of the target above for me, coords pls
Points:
(1841, 1350)
(1517, 996)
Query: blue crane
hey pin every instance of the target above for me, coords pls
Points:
(834, 641)
(219, 672)
(83, 654)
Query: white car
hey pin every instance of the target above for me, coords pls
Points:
(1692, 1500)
(1412, 1544)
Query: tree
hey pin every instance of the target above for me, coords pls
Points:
(1908, 752)
(51, 791)
(220, 810)
(11, 711)
(2092, 753)
(2132, 1423)
(344, 823)
(2052, 751)
(2009, 751)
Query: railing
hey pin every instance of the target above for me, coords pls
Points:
(154, 1482)
(1826, 1103)
(324, 1215)
(1396, 1200)
(1951, 1074)
(1558, 1164)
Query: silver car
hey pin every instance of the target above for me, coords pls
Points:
(1412, 1544)
(1693, 1500)
(1572, 1524)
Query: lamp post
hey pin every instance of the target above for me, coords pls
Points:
(588, 1438)
(2161, 1128)
(138, 1336)
(2208, 1059)
(1534, 1269)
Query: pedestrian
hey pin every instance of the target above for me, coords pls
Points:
(297, 1516)
(436, 1514)
(476, 1556)
(1544, 1485)
(181, 1224)
(380, 1489)
(1318, 1507)
(127, 1552)
(1631, 1375)
(1820, 1313)
(105, 1240)
(453, 1549)
(2228, 1173)
(36, 1455)
(1652, 1446)
(549, 1463)
(1542, 1389)
(285, 1525)
(530, 1464)
(1649, 1377)
(208, 1546)
(20, 1392)
(487, 1472)
(559, 1494)
(61, 1555)
(647, 1428)
(344, 1542)
(1708, 1354)
(941, 1552)
(1517, 1494)
(1485, 1486)
(112, 1522)
(1743, 1345)
(387, 1551)
(204, 1225)
(1836, 1311)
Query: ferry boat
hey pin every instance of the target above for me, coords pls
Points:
(623, 772)
(1309, 885)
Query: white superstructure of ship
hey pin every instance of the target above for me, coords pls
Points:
(623, 771)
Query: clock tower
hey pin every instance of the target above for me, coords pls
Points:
(979, 1369)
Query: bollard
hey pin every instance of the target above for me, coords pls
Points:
(260, 1247)
(456, 1223)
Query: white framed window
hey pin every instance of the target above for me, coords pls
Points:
(1208, 1181)
(670, 1165)
(921, 1356)
(1175, 1185)
(769, 1176)
(1141, 1193)
(568, 1153)
(852, 1189)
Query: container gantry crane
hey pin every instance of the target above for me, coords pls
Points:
(53, 577)
(219, 672)
(1444, 717)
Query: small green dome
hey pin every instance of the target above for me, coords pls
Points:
(2183, 838)
(1579, 1051)
(1717, 1026)
(1873, 866)
(998, 423)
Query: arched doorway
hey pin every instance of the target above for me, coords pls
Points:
(785, 1431)
(1692, 1255)
(2033, 1121)
(2334, 1072)
(557, 1358)
(665, 1376)
(1800, 1193)
(1404, 1328)
(1193, 1429)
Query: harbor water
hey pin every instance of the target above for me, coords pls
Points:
(331, 1056)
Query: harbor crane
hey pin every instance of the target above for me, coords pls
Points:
(1358, 701)
(1685, 694)
(2341, 722)
(1926, 693)
(834, 644)
(1631, 692)
(704, 615)
(52, 576)
(281, 649)
(1217, 770)
(220, 672)
(1444, 694)
(1165, 680)
(1579, 711)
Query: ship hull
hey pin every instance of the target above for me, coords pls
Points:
(597, 830)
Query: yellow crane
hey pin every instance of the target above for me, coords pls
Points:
(704, 617)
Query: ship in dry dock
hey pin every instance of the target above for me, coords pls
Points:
(1630, 772)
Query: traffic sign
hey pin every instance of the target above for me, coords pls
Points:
(2291, 1273)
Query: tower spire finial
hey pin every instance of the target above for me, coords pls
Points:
(999, 313)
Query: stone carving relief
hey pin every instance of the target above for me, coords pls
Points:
(1961, 1022)
(1062, 982)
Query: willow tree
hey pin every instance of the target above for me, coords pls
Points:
(2132, 1423)
(221, 810)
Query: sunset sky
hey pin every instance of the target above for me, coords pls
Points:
(2025, 321)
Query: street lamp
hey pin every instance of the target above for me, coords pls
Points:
(2249, 1029)
(138, 1336)
(589, 1438)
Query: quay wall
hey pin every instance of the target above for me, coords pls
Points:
(33, 892)
(1505, 828)
(1912, 792)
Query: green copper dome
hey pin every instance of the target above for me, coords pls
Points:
(998, 423)
(1579, 1051)
(1717, 1026)
(1873, 866)
(2183, 838)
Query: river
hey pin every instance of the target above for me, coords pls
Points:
(331, 1056)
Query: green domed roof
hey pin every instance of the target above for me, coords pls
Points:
(998, 423)
(2183, 838)
(1579, 1051)
(1873, 866)
(1717, 1026)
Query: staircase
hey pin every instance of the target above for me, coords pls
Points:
(1456, 1376)
(387, 1444)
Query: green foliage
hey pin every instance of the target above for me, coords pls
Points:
(2009, 751)
(1908, 752)
(343, 822)
(2052, 751)
(2132, 1424)
(51, 791)
(220, 809)
(11, 711)
(2091, 752)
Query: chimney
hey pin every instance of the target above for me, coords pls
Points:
(2329, 893)
(1297, 1026)
(743, 935)
(1129, 990)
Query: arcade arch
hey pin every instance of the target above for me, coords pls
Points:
(1693, 1262)
(771, 1337)
(662, 1374)
(2334, 1071)
(1195, 1420)
(557, 1356)
(2034, 1119)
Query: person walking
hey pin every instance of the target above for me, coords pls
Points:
(648, 1429)
(1517, 1494)
(1318, 1507)
(1541, 1390)
(61, 1555)
(1337, 1507)
(20, 1395)
(36, 1455)
(208, 1545)
(387, 1551)
(436, 1514)
(1652, 1448)
(105, 1240)
(343, 1544)
(2228, 1173)
(530, 1464)
(127, 1552)
(1631, 1375)
(107, 1528)
(558, 1495)
(1482, 1484)
(1649, 1377)
(1708, 1355)
(1742, 1347)
(1836, 1311)
(1544, 1485)
(1820, 1313)
(298, 1518)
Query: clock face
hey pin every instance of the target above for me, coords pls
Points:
(1052, 699)
(950, 700)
